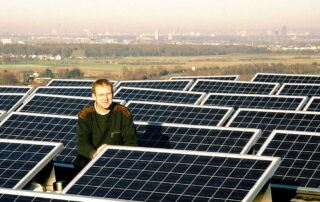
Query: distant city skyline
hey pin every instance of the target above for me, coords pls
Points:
(137, 16)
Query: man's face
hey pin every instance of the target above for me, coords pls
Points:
(103, 97)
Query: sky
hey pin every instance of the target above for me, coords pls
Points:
(137, 16)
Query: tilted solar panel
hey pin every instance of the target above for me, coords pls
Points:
(268, 120)
(15, 89)
(145, 174)
(155, 95)
(13, 195)
(56, 104)
(70, 82)
(255, 101)
(64, 90)
(21, 160)
(197, 138)
(299, 89)
(313, 104)
(243, 87)
(286, 78)
(157, 84)
(300, 154)
(178, 113)
(220, 77)
(10, 101)
(73, 82)
(39, 127)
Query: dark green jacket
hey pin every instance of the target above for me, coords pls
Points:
(114, 128)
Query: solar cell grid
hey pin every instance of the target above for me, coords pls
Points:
(65, 90)
(9, 102)
(268, 120)
(243, 87)
(155, 95)
(73, 82)
(300, 153)
(255, 101)
(56, 104)
(38, 127)
(15, 89)
(157, 84)
(299, 89)
(197, 138)
(145, 174)
(313, 104)
(221, 77)
(178, 113)
(286, 78)
(21, 160)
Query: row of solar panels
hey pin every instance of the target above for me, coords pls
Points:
(146, 181)
(259, 77)
(169, 175)
(187, 137)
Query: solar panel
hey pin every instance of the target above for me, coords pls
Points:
(145, 174)
(15, 89)
(299, 89)
(268, 120)
(155, 95)
(21, 160)
(56, 104)
(220, 77)
(243, 87)
(178, 113)
(255, 101)
(300, 154)
(64, 90)
(313, 104)
(157, 84)
(13, 195)
(10, 101)
(39, 127)
(196, 138)
(286, 78)
(73, 82)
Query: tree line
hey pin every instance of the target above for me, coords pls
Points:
(137, 50)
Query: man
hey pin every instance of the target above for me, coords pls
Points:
(102, 123)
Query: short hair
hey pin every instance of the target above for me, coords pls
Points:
(101, 82)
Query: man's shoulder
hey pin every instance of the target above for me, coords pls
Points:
(122, 109)
(85, 111)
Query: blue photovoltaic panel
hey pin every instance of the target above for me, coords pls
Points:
(72, 82)
(14, 195)
(63, 90)
(15, 89)
(145, 174)
(170, 96)
(38, 127)
(242, 87)
(313, 104)
(157, 84)
(255, 101)
(221, 77)
(268, 120)
(300, 154)
(178, 113)
(9, 102)
(197, 138)
(286, 78)
(299, 89)
(21, 160)
(56, 104)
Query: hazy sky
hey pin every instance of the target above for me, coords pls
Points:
(41, 16)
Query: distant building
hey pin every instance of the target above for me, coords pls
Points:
(6, 41)
(156, 35)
